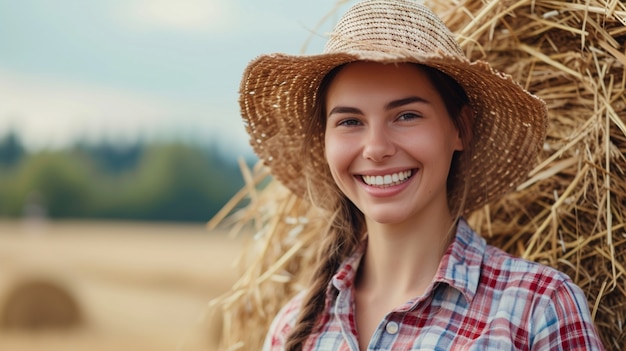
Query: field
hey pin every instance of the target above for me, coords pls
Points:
(136, 286)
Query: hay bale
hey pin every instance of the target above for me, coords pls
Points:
(39, 304)
(570, 214)
(277, 262)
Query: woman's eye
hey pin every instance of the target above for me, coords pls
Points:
(408, 116)
(350, 122)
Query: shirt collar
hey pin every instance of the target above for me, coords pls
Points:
(459, 267)
(346, 274)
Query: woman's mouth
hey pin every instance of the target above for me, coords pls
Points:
(387, 180)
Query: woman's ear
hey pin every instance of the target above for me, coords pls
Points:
(464, 128)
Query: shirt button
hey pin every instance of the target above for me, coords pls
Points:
(392, 328)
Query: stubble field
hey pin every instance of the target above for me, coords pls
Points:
(136, 286)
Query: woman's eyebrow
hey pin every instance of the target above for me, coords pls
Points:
(345, 109)
(391, 105)
(405, 101)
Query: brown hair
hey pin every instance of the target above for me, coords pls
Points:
(457, 105)
(347, 224)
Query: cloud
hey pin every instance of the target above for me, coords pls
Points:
(49, 112)
(181, 15)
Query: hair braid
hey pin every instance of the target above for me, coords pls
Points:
(344, 235)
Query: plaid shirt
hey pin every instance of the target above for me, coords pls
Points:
(480, 299)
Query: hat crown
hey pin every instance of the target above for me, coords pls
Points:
(392, 27)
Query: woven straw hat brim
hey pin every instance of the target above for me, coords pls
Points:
(278, 95)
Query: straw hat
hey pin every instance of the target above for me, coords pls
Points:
(278, 93)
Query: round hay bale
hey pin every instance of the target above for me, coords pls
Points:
(39, 304)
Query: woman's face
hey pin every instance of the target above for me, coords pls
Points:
(389, 141)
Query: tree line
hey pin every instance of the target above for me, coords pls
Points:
(166, 181)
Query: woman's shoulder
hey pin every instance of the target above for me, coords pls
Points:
(555, 307)
(505, 267)
(506, 260)
(283, 323)
(499, 269)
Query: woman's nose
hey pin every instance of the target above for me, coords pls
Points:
(378, 144)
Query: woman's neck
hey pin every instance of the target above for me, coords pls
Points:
(404, 257)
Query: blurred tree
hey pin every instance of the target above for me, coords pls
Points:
(169, 182)
(113, 158)
(183, 187)
(59, 180)
(174, 182)
(11, 149)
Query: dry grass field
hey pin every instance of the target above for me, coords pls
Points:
(134, 286)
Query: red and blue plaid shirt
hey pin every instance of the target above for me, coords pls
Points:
(481, 298)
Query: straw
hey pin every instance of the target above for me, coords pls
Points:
(569, 214)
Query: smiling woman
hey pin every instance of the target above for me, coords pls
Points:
(567, 215)
(390, 112)
(398, 265)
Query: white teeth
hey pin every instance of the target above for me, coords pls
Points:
(387, 179)
(379, 180)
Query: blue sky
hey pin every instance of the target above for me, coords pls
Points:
(126, 69)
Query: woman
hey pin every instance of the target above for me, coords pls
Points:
(395, 132)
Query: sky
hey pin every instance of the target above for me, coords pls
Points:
(127, 70)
